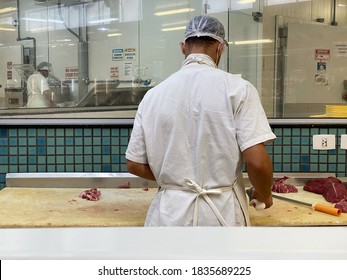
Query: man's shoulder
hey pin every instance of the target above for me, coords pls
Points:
(35, 75)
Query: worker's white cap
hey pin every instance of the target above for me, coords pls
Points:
(205, 25)
(44, 66)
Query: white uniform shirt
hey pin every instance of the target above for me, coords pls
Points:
(194, 125)
(36, 85)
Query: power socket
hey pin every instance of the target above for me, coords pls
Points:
(324, 142)
(343, 144)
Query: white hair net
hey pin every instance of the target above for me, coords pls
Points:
(44, 66)
(205, 25)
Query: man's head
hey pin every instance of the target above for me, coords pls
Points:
(205, 26)
(44, 68)
(204, 34)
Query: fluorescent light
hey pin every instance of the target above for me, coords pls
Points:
(41, 29)
(250, 42)
(102, 20)
(7, 29)
(246, 1)
(103, 29)
(43, 20)
(114, 34)
(7, 10)
(184, 22)
(342, 5)
(172, 12)
(173, 28)
(64, 40)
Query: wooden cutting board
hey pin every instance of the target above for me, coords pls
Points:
(54, 207)
(284, 213)
(62, 207)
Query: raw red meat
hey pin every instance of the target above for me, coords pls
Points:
(92, 194)
(318, 185)
(334, 192)
(315, 186)
(342, 205)
(332, 189)
(280, 187)
(125, 186)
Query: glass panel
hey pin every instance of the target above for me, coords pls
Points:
(106, 54)
(311, 66)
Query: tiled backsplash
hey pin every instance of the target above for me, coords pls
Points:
(101, 149)
(292, 151)
(71, 149)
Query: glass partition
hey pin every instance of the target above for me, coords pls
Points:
(105, 55)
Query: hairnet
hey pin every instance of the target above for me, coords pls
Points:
(44, 66)
(205, 25)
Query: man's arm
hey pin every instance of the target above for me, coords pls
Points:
(260, 173)
(140, 169)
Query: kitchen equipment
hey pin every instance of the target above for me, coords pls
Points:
(14, 97)
(315, 206)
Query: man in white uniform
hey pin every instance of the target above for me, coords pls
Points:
(39, 95)
(192, 134)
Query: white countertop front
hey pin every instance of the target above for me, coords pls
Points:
(126, 243)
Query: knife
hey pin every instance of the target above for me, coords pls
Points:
(315, 206)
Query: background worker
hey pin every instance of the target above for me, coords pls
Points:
(193, 132)
(39, 95)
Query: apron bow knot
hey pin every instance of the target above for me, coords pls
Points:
(199, 190)
(204, 193)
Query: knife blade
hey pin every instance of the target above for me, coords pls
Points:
(315, 206)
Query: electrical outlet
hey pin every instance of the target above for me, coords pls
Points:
(343, 144)
(324, 142)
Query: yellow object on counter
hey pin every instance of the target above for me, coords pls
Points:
(336, 111)
(333, 111)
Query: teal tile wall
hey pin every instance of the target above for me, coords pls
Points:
(75, 149)
(292, 151)
(101, 149)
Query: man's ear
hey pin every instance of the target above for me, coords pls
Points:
(182, 46)
(220, 48)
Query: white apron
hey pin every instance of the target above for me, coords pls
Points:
(193, 194)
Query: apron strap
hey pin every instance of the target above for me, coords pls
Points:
(204, 193)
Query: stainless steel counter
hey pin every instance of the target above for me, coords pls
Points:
(112, 179)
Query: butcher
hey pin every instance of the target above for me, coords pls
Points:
(193, 132)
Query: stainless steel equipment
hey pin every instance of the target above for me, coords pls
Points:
(110, 93)
(14, 97)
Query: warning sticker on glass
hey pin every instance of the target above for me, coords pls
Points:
(117, 54)
(322, 54)
(130, 54)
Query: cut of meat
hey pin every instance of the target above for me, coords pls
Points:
(334, 192)
(280, 187)
(332, 189)
(91, 194)
(342, 205)
(125, 186)
(318, 185)
(315, 186)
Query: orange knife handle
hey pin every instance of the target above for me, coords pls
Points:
(326, 209)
